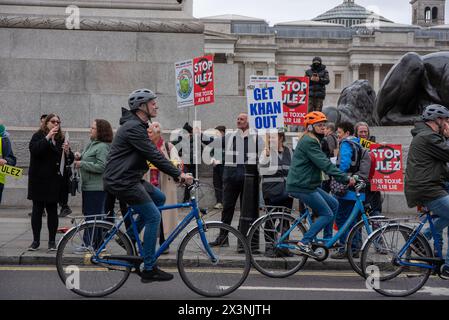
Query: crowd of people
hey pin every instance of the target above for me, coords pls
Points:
(320, 172)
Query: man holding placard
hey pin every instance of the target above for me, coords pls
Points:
(6, 155)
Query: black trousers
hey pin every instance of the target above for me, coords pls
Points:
(109, 209)
(232, 191)
(271, 236)
(52, 219)
(218, 182)
(188, 168)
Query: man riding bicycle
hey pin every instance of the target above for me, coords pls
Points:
(126, 165)
(427, 169)
(305, 176)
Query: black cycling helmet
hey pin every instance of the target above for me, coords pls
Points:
(435, 111)
(137, 97)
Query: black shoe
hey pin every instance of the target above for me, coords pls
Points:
(155, 275)
(65, 211)
(34, 246)
(52, 246)
(220, 242)
(339, 255)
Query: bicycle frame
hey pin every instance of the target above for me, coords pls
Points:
(328, 243)
(412, 238)
(193, 214)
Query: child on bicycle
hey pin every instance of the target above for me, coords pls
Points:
(306, 174)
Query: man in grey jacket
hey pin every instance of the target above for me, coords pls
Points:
(126, 165)
(427, 171)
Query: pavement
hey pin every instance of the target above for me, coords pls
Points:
(16, 236)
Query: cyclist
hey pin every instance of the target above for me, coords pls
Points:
(126, 165)
(427, 171)
(305, 176)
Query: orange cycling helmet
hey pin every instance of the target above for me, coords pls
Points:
(314, 117)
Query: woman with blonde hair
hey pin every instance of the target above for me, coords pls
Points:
(169, 218)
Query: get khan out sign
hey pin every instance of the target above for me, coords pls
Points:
(388, 175)
(195, 81)
(295, 98)
(265, 103)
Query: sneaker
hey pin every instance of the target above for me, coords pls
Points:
(219, 205)
(34, 246)
(220, 242)
(305, 250)
(356, 254)
(52, 246)
(81, 250)
(155, 274)
(339, 255)
(65, 211)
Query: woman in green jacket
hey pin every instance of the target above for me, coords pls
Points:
(92, 163)
(305, 177)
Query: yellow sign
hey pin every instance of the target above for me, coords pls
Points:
(176, 163)
(11, 171)
(365, 143)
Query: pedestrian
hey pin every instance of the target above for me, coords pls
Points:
(274, 166)
(169, 218)
(319, 78)
(305, 177)
(373, 198)
(47, 148)
(352, 159)
(189, 166)
(236, 160)
(91, 163)
(218, 174)
(6, 155)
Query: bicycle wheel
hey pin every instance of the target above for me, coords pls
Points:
(266, 256)
(380, 255)
(357, 237)
(74, 259)
(219, 278)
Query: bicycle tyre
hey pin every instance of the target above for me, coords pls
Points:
(91, 274)
(266, 230)
(205, 277)
(393, 284)
(359, 227)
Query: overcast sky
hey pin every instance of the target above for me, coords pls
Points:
(275, 11)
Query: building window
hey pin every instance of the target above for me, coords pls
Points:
(427, 14)
(337, 82)
(259, 73)
(434, 14)
(363, 76)
(281, 73)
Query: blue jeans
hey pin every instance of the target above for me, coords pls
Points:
(93, 204)
(344, 211)
(440, 207)
(150, 218)
(324, 205)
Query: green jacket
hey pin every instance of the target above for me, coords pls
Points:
(93, 163)
(308, 163)
(426, 170)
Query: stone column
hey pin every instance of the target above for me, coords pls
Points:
(249, 70)
(230, 58)
(271, 69)
(376, 83)
(355, 71)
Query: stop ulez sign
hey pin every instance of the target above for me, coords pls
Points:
(388, 175)
(203, 75)
(295, 99)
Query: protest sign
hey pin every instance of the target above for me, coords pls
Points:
(195, 81)
(366, 143)
(388, 174)
(264, 100)
(203, 69)
(11, 171)
(295, 98)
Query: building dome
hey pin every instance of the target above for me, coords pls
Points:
(348, 14)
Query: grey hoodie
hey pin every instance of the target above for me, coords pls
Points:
(426, 166)
(130, 151)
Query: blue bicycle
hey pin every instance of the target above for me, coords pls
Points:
(273, 239)
(95, 258)
(398, 259)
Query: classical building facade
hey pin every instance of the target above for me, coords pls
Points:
(354, 43)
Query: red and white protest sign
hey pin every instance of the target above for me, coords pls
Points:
(388, 175)
(295, 97)
(203, 69)
(195, 81)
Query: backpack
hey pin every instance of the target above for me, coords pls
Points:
(360, 160)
